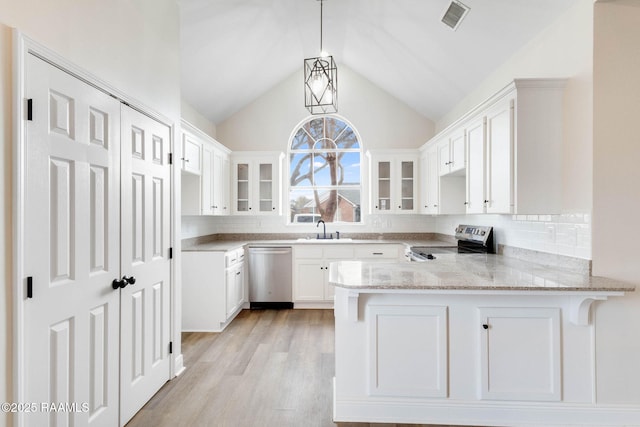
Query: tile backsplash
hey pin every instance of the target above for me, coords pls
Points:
(566, 234)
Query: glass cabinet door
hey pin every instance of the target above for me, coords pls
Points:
(266, 187)
(384, 186)
(407, 186)
(243, 187)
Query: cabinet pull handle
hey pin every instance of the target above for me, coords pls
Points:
(485, 326)
(377, 253)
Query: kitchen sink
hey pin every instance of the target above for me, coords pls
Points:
(315, 240)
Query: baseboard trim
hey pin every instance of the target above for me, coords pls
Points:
(435, 411)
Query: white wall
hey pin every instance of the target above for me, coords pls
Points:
(564, 49)
(133, 45)
(191, 115)
(266, 125)
(566, 234)
(382, 120)
(615, 193)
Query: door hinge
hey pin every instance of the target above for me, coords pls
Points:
(170, 158)
(170, 347)
(170, 253)
(29, 287)
(30, 109)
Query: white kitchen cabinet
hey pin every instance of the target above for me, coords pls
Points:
(373, 252)
(191, 153)
(311, 270)
(207, 191)
(499, 164)
(408, 351)
(451, 154)
(522, 152)
(529, 371)
(394, 181)
(429, 181)
(476, 159)
(257, 179)
(215, 181)
(234, 283)
(213, 289)
(462, 356)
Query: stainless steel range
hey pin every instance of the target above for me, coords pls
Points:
(472, 239)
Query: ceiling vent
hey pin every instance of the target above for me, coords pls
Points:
(454, 14)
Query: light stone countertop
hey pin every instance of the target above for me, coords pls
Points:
(481, 272)
(228, 245)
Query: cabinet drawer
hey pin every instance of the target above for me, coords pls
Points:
(234, 257)
(377, 251)
(339, 252)
(307, 251)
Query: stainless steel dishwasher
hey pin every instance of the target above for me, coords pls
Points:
(270, 272)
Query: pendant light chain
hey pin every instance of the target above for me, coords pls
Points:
(321, 4)
(321, 79)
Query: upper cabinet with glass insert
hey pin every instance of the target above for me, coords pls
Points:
(393, 181)
(256, 182)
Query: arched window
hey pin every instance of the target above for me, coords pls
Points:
(324, 172)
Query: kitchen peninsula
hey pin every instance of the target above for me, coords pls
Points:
(468, 339)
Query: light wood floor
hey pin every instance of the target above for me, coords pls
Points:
(269, 368)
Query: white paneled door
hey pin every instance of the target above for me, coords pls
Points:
(144, 328)
(96, 209)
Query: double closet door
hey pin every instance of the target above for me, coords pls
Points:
(96, 253)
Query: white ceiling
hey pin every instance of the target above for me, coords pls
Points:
(235, 50)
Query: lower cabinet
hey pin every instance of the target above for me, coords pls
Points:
(235, 289)
(213, 289)
(451, 357)
(408, 351)
(311, 266)
(311, 275)
(529, 370)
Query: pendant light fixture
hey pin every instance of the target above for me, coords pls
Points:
(321, 81)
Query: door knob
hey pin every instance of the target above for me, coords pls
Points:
(117, 284)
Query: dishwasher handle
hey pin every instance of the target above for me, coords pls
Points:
(270, 251)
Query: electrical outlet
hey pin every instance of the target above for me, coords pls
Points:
(551, 233)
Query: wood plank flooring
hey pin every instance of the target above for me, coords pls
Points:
(269, 368)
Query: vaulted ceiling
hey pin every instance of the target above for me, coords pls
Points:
(235, 50)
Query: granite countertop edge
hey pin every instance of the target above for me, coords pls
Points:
(486, 273)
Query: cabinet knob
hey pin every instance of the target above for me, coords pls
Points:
(466, 203)
(399, 207)
(486, 201)
(485, 326)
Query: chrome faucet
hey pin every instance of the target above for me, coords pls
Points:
(324, 229)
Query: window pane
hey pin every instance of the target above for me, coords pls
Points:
(348, 206)
(322, 165)
(347, 139)
(302, 141)
(302, 206)
(350, 165)
(334, 128)
(315, 128)
(300, 169)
